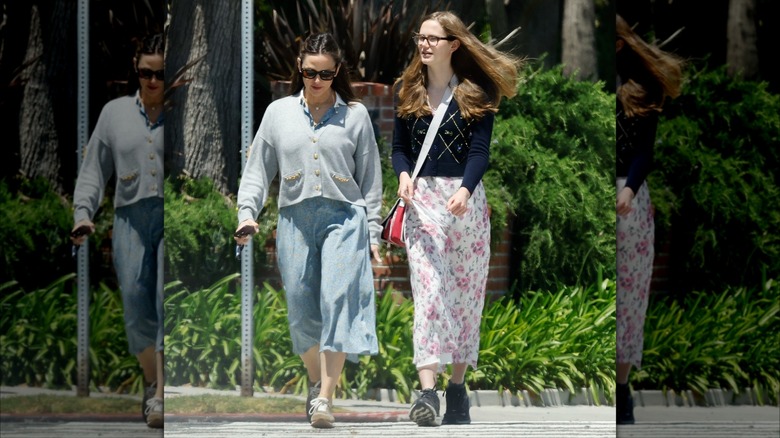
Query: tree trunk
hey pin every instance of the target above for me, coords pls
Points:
(540, 28)
(742, 47)
(46, 124)
(496, 13)
(579, 40)
(203, 135)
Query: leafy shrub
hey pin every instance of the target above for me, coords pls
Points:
(552, 167)
(571, 344)
(199, 226)
(38, 343)
(726, 340)
(715, 183)
(361, 28)
(35, 224)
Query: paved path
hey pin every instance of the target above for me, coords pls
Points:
(389, 419)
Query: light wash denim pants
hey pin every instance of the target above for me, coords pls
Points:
(325, 263)
(138, 260)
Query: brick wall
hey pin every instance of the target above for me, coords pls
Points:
(378, 99)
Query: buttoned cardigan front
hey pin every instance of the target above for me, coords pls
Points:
(337, 159)
(124, 142)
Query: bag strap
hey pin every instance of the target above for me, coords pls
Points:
(434, 127)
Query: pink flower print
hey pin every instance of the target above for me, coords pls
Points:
(626, 282)
(642, 246)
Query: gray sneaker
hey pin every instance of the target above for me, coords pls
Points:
(154, 413)
(149, 392)
(321, 415)
(426, 408)
(314, 392)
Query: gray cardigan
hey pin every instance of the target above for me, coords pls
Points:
(339, 160)
(126, 143)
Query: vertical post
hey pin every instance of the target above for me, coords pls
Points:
(247, 280)
(82, 256)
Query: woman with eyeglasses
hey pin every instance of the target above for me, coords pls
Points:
(646, 77)
(447, 223)
(127, 142)
(321, 143)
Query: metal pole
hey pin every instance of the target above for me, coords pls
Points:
(82, 256)
(247, 280)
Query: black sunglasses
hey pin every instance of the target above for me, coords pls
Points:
(325, 75)
(147, 73)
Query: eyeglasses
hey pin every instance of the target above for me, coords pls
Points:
(325, 75)
(432, 40)
(147, 73)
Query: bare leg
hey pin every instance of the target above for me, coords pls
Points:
(458, 373)
(623, 369)
(332, 365)
(160, 392)
(311, 360)
(148, 363)
(427, 376)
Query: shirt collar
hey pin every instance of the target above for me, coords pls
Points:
(142, 110)
(339, 100)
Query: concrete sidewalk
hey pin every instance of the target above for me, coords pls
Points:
(490, 418)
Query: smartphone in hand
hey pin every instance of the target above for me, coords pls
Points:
(246, 230)
(80, 231)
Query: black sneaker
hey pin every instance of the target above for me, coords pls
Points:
(624, 404)
(457, 405)
(426, 408)
(314, 392)
(149, 392)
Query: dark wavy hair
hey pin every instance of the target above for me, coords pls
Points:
(149, 45)
(325, 44)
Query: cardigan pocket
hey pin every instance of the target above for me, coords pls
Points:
(292, 183)
(340, 178)
(128, 184)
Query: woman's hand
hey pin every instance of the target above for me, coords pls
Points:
(81, 230)
(624, 199)
(405, 187)
(244, 235)
(458, 204)
(375, 252)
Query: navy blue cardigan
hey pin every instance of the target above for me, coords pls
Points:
(634, 141)
(460, 149)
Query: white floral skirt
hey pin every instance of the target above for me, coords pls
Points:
(448, 266)
(635, 251)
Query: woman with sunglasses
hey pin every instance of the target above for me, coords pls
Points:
(321, 142)
(128, 142)
(447, 223)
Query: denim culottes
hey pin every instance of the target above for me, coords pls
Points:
(138, 260)
(324, 259)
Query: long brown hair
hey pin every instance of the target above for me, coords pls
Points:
(648, 74)
(325, 44)
(485, 74)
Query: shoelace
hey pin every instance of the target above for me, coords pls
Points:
(316, 403)
(152, 405)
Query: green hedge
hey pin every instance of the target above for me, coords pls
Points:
(715, 183)
(562, 339)
(727, 340)
(552, 167)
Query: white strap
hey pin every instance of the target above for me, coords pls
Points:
(434, 126)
